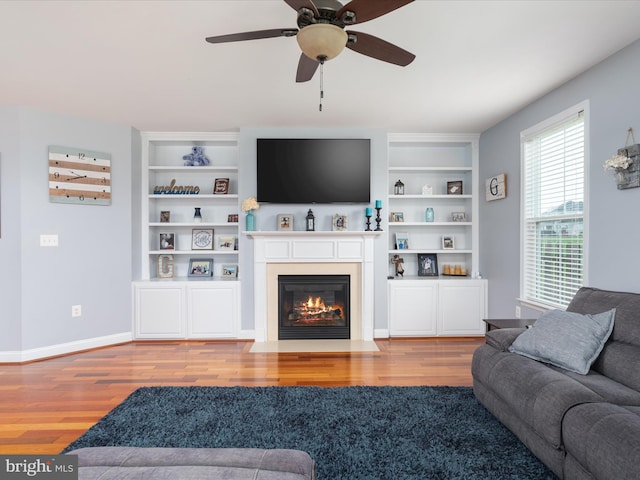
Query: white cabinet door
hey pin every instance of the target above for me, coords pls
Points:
(462, 306)
(214, 310)
(159, 311)
(412, 307)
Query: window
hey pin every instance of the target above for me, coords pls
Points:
(553, 206)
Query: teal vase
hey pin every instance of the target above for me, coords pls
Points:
(251, 221)
(428, 215)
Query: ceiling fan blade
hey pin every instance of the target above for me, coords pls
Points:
(366, 10)
(298, 4)
(258, 34)
(306, 69)
(377, 48)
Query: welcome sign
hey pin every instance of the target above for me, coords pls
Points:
(49, 467)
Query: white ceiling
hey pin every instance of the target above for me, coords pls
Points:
(146, 63)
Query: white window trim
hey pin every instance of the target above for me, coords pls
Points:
(529, 132)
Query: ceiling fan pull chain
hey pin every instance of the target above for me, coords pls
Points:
(321, 84)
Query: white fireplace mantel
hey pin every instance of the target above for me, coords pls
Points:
(297, 247)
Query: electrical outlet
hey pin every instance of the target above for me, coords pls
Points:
(48, 240)
(518, 313)
(76, 310)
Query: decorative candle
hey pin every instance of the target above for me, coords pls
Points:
(368, 212)
(378, 203)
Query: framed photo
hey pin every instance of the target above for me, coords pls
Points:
(202, 239)
(201, 267)
(232, 218)
(221, 186)
(458, 217)
(165, 266)
(167, 241)
(226, 242)
(165, 216)
(339, 223)
(230, 271)
(427, 265)
(396, 217)
(447, 242)
(402, 241)
(285, 222)
(454, 188)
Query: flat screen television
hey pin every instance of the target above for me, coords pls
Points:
(313, 170)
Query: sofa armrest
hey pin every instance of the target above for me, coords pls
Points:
(503, 338)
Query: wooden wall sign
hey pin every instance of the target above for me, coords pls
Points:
(496, 187)
(79, 176)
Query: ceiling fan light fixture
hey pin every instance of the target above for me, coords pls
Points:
(322, 41)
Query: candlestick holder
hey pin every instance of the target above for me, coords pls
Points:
(378, 219)
(368, 229)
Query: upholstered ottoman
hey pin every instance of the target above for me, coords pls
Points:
(109, 463)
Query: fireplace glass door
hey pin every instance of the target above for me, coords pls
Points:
(313, 307)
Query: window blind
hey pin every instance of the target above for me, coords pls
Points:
(553, 206)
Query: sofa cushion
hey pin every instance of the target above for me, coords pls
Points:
(610, 390)
(568, 340)
(603, 438)
(115, 463)
(621, 354)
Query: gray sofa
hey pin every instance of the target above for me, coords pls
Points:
(111, 463)
(580, 426)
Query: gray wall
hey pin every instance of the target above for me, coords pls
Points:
(92, 265)
(611, 88)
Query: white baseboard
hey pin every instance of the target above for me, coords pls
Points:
(381, 333)
(63, 348)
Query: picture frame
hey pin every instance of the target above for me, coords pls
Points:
(402, 241)
(232, 218)
(221, 186)
(230, 271)
(226, 242)
(339, 223)
(200, 267)
(396, 217)
(448, 242)
(454, 187)
(285, 222)
(202, 239)
(427, 265)
(165, 216)
(458, 216)
(167, 241)
(165, 266)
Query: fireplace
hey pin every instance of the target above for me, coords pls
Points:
(313, 307)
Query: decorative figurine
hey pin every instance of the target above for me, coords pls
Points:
(196, 158)
(397, 260)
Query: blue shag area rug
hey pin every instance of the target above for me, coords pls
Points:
(351, 432)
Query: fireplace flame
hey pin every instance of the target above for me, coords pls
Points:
(315, 309)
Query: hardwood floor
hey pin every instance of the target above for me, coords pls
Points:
(46, 405)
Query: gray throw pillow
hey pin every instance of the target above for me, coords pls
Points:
(566, 339)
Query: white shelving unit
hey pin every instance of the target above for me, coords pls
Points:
(182, 306)
(418, 160)
(445, 304)
(162, 163)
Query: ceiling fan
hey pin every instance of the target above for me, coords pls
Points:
(321, 34)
